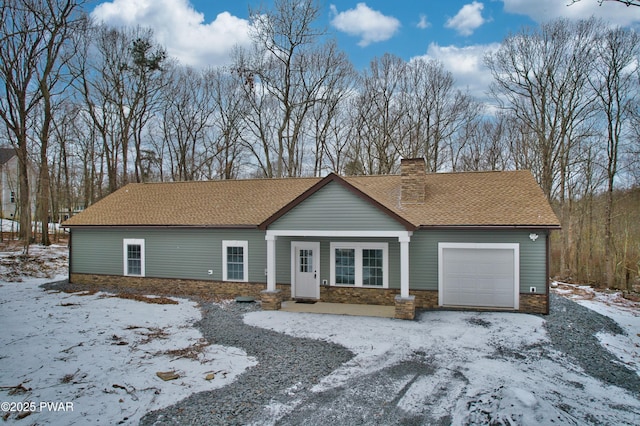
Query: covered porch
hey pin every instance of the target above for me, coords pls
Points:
(306, 278)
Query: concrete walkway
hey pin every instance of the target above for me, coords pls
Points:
(340, 309)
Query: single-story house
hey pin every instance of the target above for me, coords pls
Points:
(414, 240)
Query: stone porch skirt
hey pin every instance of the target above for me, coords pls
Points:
(424, 299)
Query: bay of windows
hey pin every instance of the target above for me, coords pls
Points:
(360, 264)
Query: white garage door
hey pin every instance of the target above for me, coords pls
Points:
(482, 275)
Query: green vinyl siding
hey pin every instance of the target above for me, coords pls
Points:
(191, 253)
(169, 253)
(423, 255)
(97, 252)
(335, 208)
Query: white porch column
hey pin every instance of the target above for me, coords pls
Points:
(404, 265)
(271, 261)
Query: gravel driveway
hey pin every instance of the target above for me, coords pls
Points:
(288, 367)
(285, 373)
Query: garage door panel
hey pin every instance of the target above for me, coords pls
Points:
(477, 276)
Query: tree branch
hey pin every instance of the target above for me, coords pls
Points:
(625, 2)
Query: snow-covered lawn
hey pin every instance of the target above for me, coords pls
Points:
(102, 353)
(98, 355)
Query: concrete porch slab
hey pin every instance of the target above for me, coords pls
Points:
(340, 309)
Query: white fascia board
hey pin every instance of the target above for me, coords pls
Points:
(404, 235)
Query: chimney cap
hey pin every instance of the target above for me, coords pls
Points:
(412, 160)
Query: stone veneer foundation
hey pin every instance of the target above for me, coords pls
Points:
(177, 287)
(271, 300)
(405, 307)
(423, 299)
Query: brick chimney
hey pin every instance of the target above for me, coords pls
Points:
(412, 172)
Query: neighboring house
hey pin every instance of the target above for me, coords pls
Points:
(459, 240)
(10, 201)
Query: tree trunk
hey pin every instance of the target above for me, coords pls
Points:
(44, 199)
(609, 249)
(25, 198)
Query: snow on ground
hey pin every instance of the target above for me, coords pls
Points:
(487, 367)
(9, 225)
(624, 312)
(100, 353)
(41, 262)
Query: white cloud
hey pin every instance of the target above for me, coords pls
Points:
(423, 23)
(546, 10)
(368, 24)
(468, 19)
(180, 28)
(466, 65)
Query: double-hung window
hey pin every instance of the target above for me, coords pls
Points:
(235, 265)
(133, 255)
(360, 264)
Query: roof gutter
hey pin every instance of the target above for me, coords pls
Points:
(489, 227)
(161, 226)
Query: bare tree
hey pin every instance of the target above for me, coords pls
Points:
(286, 75)
(486, 146)
(625, 2)
(230, 107)
(31, 57)
(330, 120)
(541, 77)
(435, 111)
(378, 114)
(335, 77)
(186, 121)
(119, 76)
(66, 137)
(616, 89)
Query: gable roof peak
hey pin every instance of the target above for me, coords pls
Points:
(7, 154)
(334, 177)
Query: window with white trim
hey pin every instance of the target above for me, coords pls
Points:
(360, 264)
(235, 261)
(133, 255)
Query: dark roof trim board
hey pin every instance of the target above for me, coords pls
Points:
(489, 227)
(133, 226)
(332, 177)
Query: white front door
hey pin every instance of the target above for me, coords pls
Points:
(305, 276)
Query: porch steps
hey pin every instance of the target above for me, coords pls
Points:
(340, 309)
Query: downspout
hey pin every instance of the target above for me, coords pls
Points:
(548, 248)
(70, 256)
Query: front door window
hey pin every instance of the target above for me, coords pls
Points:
(306, 260)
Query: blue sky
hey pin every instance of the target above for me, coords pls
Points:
(203, 33)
